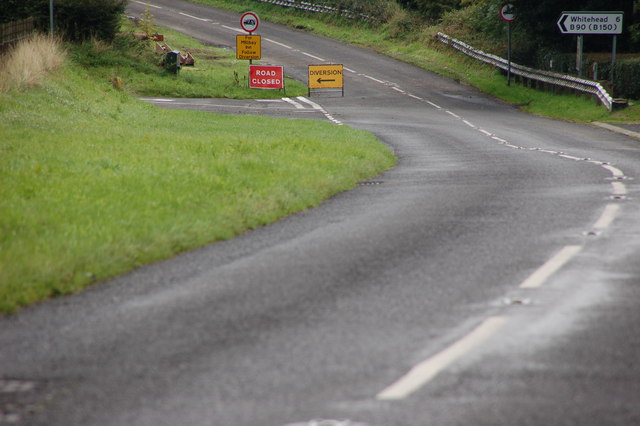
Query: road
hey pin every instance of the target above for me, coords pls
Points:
(491, 278)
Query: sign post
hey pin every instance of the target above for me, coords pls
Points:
(507, 13)
(586, 23)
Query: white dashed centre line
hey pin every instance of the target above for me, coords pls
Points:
(539, 277)
(422, 373)
(608, 215)
(195, 17)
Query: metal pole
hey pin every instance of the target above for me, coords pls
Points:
(509, 54)
(613, 55)
(51, 17)
(579, 55)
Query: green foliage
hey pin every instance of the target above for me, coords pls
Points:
(217, 73)
(627, 78)
(433, 9)
(14, 10)
(379, 10)
(76, 19)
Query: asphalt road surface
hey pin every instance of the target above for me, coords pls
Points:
(491, 278)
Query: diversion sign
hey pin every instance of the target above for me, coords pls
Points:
(326, 77)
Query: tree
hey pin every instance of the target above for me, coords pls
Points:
(76, 19)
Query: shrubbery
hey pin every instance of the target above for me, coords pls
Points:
(74, 19)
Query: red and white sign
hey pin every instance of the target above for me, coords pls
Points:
(508, 12)
(249, 22)
(266, 77)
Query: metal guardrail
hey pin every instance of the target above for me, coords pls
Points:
(570, 82)
(317, 8)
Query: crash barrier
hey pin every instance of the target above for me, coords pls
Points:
(318, 8)
(12, 32)
(531, 75)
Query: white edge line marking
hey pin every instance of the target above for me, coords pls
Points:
(608, 215)
(233, 29)
(349, 70)
(373, 78)
(321, 109)
(157, 100)
(414, 96)
(314, 57)
(310, 102)
(148, 4)
(484, 132)
(470, 124)
(278, 43)
(434, 105)
(422, 373)
(569, 157)
(543, 273)
(195, 17)
(453, 114)
(397, 89)
(294, 103)
(619, 188)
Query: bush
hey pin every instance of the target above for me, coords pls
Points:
(626, 78)
(26, 64)
(76, 20)
(84, 19)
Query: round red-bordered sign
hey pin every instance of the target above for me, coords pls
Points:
(508, 12)
(249, 22)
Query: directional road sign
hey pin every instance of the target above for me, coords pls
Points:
(326, 76)
(582, 23)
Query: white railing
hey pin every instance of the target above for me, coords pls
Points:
(318, 8)
(567, 81)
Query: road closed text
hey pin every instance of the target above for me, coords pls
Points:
(266, 77)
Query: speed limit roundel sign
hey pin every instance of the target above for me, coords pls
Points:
(249, 22)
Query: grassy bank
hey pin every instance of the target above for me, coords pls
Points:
(419, 48)
(216, 73)
(94, 183)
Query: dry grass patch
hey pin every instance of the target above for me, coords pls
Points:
(31, 59)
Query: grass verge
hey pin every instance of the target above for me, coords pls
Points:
(95, 183)
(420, 49)
(216, 74)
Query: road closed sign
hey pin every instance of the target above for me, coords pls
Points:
(266, 77)
(326, 76)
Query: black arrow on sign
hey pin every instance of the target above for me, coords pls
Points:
(323, 81)
(561, 23)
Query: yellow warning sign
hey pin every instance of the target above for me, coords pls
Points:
(248, 47)
(326, 76)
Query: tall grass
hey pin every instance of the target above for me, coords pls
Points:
(29, 61)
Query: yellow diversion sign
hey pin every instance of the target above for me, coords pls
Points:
(248, 47)
(326, 76)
